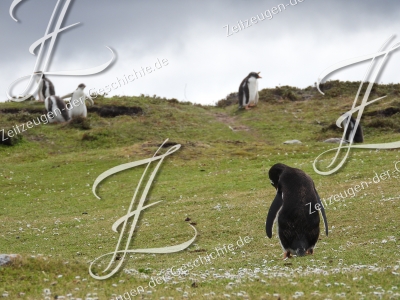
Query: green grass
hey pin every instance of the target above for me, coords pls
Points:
(219, 179)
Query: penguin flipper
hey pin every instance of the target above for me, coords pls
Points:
(66, 96)
(322, 213)
(89, 99)
(273, 211)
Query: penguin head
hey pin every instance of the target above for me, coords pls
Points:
(300, 246)
(81, 86)
(275, 172)
(346, 116)
(41, 75)
(300, 252)
(255, 75)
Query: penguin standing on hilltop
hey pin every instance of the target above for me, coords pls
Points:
(46, 88)
(77, 106)
(358, 136)
(58, 109)
(248, 91)
(295, 207)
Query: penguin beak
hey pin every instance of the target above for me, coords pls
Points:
(259, 75)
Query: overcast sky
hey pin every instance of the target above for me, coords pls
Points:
(204, 64)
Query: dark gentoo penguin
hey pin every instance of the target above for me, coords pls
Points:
(46, 88)
(77, 102)
(358, 136)
(58, 109)
(295, 207)
(248, 91)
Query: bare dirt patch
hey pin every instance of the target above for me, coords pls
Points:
(231, 122)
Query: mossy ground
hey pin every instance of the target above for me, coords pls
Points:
(218, 179)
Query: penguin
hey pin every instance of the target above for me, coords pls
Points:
(58, 108)
(46, 88)
(248, 91)
(295, 209)
(76, 105)
(358, 136)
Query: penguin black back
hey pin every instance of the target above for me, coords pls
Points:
(298, 226)
(358, 136)
(57, 106)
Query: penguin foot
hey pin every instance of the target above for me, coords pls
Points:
(286, 255)
(310, 251)
(247, 107)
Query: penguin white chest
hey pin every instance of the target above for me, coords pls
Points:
(351, 124)
(46, 89)
(253, 90)
(78, 106)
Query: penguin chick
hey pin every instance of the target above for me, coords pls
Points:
(248, 91)
(298, 226)
(77, 106)
(58, 109)
(46, 88)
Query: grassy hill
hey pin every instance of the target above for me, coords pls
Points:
(218, 180)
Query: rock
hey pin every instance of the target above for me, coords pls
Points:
(10, 140)
(5, 259)
(292, 142)
(334, 140)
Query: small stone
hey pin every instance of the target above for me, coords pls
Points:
(217, 207)
(6, 259)
(47, 292)
(334, 140)
(292, 142)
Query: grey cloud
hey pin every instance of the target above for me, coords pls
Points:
(292, 48)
